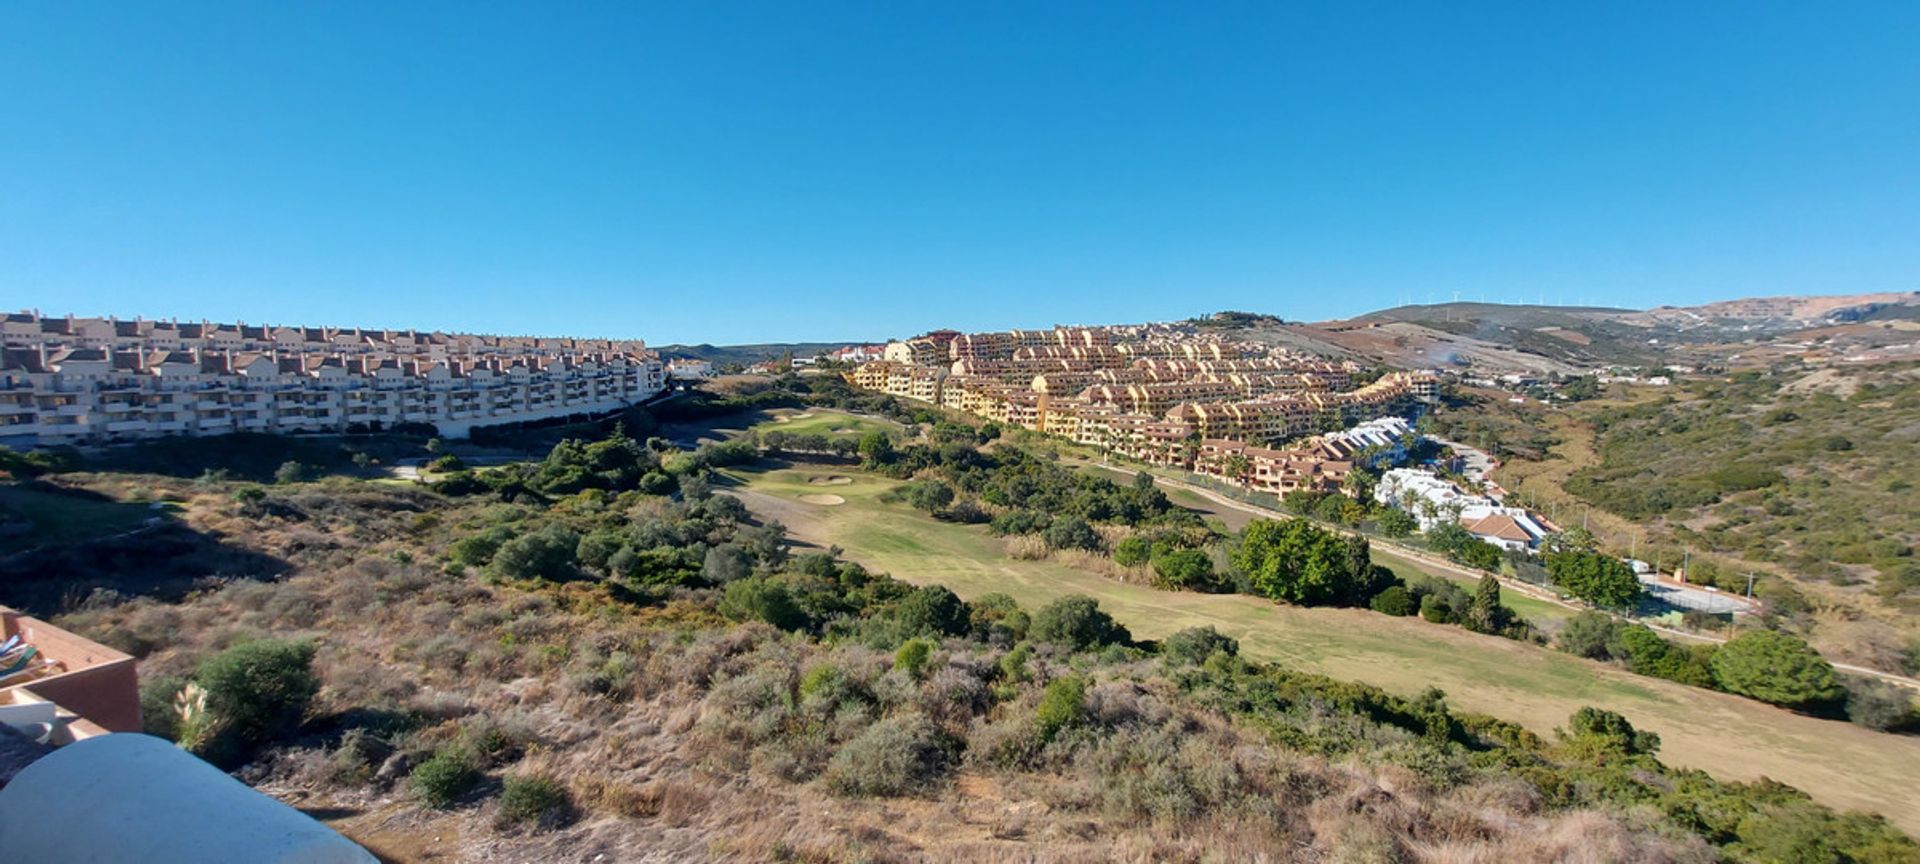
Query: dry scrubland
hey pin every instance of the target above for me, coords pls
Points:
(1802, 476)
(524, 665)
(1737, 738)
(677, 735)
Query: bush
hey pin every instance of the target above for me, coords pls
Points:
(1396, 600)
(912, 657)
(549, 553)
(1183, 568)
(763, 599)
(1194, 645)
(444, 777)
(1595, 731)
(1590, 635)
(1880, 705)
(895, 756)
(259, 690)
(1776, 668)
(1077, 622)
(1021, 522)
(1062, 706)
(928, 495)
(1436, 609)
(534, 799)
(933, 610)
(1072, 532)
(1132, 552)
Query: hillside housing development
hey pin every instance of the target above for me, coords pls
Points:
(1164, 394)
(99, 380)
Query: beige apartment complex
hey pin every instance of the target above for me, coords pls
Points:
(99, 380)
(1158, 393)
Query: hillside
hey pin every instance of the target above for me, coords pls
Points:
(599, 652)
(1543, 340)
(746, 355)
(1802, 475)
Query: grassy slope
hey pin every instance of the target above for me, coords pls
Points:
(833, 424)
(64, 518)
(1841, 764)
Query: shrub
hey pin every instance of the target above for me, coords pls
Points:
(1594, 731)
(534, 799)
(1396, 600)
(549, 553)
(260, 689)
(929, 495)
(763, 599)
(1183, 568)
(157, 708)
(1880, 705)
(290, 472)
(1194, 645)
(912, 657)
(1776, 668)
(895, 756)
(1132, 552)
(1078, 622)
(1072, 532)
(933, 610)
(1021, 522)
(1436, 609)
(1062, 706)
(444, 777)
(1590, 635)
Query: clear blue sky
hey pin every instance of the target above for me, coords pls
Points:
(709, 171)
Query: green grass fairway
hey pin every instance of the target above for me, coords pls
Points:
(1842, 764)
(824, 421)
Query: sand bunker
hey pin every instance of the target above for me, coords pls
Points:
(823, 500)
(789, 418)
(835, 480)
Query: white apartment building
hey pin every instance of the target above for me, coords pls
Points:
(77, 382)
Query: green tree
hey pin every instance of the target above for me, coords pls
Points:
(1076, 621)
(1485, 614)
(763, 599)
(1395, 522)
(1294, 561)
(1596, 732)
(1602, 580)
(1589, 634)
(933, 610)
(1776, 668)
(929, 495)
(1183, 568)
(876, 448)
(550, 553)
(1132, 552)
(1071, 532)
(1062, 706)
(1194, 645)
(1396, 600)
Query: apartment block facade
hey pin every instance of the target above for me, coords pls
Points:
(97, 381)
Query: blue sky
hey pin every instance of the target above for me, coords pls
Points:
(729, 172)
